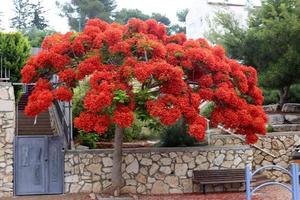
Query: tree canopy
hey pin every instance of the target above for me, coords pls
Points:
(29, 15)
(270, 43)
(137, 70)
(14, 50)
(38, 19)
(181, 27)
(173, 76)
(22, 18)
(125, 14)
(79, 11)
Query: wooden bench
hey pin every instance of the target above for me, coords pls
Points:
(206, 177)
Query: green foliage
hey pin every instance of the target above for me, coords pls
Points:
(269, 128)
(86, 9)
(181, 15)
(225, 30)
(79, 94)
(295, 93)
(270, 96)
(88, 139)
(125, 14)
(270, 43)
(161, 18)
(38, 19)
(179, 28)
(177, 136)
(207, 110)
(14, 50)
(121, 96)
(22, 9)
(36, 36)
(29, 15)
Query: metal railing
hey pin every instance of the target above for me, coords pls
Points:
(231, 132)
(64, 112)
(4, 71)
(293, 174)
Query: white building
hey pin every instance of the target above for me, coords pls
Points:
(202, 11)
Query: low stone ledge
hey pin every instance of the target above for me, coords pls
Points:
(165, 149)
(151, 170)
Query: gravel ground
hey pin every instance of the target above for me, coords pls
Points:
(270, 193)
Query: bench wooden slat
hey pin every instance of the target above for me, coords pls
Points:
(223, 176)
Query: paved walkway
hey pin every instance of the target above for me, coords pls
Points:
(271, 193)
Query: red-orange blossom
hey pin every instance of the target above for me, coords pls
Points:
(174, 74)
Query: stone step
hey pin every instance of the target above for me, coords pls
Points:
(291, 107)
(285, 127)
(284, 118)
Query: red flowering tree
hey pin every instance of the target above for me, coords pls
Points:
(137, 68)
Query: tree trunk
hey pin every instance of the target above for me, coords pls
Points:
(117, 161)
(283, 95)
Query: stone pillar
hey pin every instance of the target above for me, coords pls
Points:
(7, 131)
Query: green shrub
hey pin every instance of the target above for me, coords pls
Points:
(177, 136)
(79, 94)
(36, 36)
(270, 96)
(269, 128)
(15, 50)
(295, 93)
(207, 110)
(89, 139)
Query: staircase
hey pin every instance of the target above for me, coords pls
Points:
(285, 120)
(31, 126)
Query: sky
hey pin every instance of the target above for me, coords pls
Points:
(165, 7)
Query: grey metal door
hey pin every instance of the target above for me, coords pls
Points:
(38, 166)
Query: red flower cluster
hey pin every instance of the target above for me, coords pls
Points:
(123, 60)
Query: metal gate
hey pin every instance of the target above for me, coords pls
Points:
(294, 175)
(38, 165)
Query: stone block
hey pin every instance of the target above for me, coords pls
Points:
(275, 118)
(94, 168)
(181, 169)
(271, 108)
(160, 187)
(133, 167)
(293, 119)
(72, 179)
(291, 107)
(107, 162)
(286, 127)
(172, 181)
(7, 105)
(4, 95)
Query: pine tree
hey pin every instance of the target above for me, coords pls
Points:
(23, 14)
(38, 19)
(79, 11)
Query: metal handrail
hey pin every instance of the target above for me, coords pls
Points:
(272, 167)
(235, 135)
(294, 174)
(65, 123)
(243, 139)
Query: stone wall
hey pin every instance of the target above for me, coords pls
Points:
(151, 170)
(7, 131)
(280, 144)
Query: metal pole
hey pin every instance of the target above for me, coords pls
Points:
(295, 181)
(248, 182)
